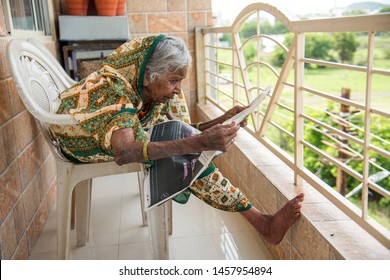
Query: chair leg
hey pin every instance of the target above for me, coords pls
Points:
(158, 232)
(64, 202)
(73, 216)
(83, 211)
(169, 216)
(142, 192)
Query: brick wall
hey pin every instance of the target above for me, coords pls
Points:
(27, 168)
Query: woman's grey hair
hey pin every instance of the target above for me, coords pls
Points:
(170, 55)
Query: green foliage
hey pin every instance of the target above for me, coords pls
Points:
(227, 37)
(346, 45)
(318, 46)
(385, 10)
(250, 28)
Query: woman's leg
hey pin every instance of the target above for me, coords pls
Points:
(217, 191)
(274, 227)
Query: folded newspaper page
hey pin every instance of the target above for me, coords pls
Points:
(170, 176)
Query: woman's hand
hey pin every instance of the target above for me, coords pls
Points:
(234, 111)
(219, 137)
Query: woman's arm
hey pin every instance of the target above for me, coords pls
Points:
(126, 150)
(228, 114)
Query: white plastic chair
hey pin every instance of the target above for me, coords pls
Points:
(39, 80)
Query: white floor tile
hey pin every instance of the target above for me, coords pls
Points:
(116, 231)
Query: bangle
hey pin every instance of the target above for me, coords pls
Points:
(145, 151)
(198, 125)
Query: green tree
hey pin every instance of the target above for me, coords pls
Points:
(346, 45)
(279, 28)
(385, 10)
(317, 46)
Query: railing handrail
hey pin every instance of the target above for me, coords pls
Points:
(295, 55)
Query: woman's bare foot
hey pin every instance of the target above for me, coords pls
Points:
(274, 227)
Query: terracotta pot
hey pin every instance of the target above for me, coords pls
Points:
(121, 9)
(77, 7)
(106, 7)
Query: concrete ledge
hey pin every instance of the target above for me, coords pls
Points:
(322, 233)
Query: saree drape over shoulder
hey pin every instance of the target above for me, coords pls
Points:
(111, 99)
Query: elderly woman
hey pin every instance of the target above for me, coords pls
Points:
(139, 86)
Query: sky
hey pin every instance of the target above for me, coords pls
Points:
(229, 9)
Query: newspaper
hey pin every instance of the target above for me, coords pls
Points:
(170, 176)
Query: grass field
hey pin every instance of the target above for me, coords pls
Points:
(332, 80)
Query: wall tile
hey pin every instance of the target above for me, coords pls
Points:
(10, 189)
(9, 141)
(176, 5)
(29, 163)
(8, 237)
(3, 149)
(5, 106)
(31, 199)
(196, 19)
(167, 22)
(3, 28)
(308, 242)
(342, 235)
(45, 148)
(46, 176)
(21, 252)
(17, 105)
(35, 227)
(138, 23)
(194, 5)
(146, 6)
(25, 130)
(19, 219)
(4, 70)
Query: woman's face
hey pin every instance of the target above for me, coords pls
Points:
(164, 87)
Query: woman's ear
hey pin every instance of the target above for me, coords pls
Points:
(147, 77)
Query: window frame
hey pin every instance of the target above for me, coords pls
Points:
(47, 25)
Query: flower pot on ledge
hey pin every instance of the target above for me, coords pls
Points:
(77, 7)
(120, 11)
(106, 7)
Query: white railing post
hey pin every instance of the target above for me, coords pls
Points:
(367, 125)
(298, 106)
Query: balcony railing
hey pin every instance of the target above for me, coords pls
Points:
(228, 75)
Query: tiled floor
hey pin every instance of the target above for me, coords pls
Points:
(199, 231)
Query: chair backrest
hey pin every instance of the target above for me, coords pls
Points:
(68, 81)
(38, 81)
